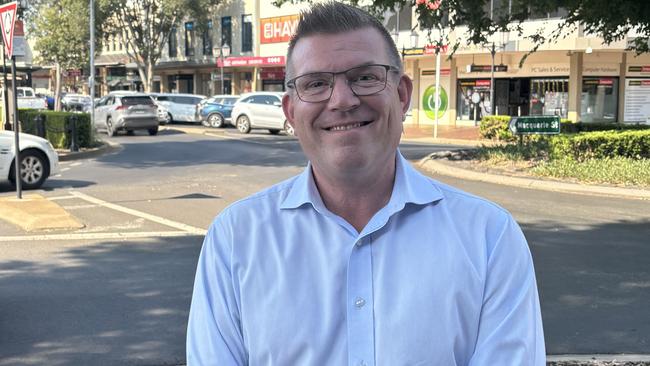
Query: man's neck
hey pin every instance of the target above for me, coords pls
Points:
(356, 198)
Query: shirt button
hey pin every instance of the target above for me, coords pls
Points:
(359, 302)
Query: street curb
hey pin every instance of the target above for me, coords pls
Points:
(589, 359)
(107, 147)
(36, 212)
(433, 166)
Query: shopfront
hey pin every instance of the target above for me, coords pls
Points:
(269, 71)
(637, 94)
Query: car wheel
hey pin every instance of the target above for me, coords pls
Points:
(243, 124)
(215, 120)
(274, 131)
(109, 128)
(168, 119)
(288, 128)
(153, 131)
(34, 169)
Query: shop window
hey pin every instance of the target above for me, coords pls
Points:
(549, 97)
(247, 33)
(466, 108)
(207, 39)
(599, 99)
(172, 43)
(226, 31)
(189, 39)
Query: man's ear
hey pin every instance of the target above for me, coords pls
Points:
(405, 91)
(287, 108)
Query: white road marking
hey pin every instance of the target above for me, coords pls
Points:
(78, 207)
(57, 198)
(96, 236)
(236, 138)
(75, 164)
(154, 218)
(64, 170)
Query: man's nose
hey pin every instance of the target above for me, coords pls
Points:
(342, 98)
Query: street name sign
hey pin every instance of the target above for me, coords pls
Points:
(7, 20)
(535, 125)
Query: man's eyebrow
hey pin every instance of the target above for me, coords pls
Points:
(367, 63)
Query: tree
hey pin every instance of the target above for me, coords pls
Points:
(143, 26)
(61, 33)
(611, 20)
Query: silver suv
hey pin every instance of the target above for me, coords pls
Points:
(127, 111)
(178, 107)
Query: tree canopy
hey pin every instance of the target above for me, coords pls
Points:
(611, 20)
(143, 26)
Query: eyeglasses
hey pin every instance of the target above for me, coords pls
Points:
(363, 80)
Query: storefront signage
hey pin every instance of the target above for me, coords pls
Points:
(535, 125)
(443, 72)
(483, 84)
(637, 101)
(273, 73)
(638, 69)
(420, 51)
(547, 70)
(601, 81)
(600, 70)
(429, 102)
(251, 61)
(278, 29)
(487, 68)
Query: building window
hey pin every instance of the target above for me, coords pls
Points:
(599, 99)
(173, 43)
(189, 39)
(246, 33)
(226, 31)
(207, 39)
(549, 97)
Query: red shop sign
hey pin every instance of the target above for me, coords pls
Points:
(251, 61)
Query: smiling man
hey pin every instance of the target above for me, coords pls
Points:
(360, 260)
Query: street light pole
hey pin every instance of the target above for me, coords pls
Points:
(91, 80)
(224, 52)
(493, 52)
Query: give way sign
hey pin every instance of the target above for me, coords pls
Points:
(7, 20)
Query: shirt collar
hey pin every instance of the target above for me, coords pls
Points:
(410, 187)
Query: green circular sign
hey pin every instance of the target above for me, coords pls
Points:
(429, 102)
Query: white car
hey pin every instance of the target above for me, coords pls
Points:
(38, 159)
(261, 110)
(179, 107)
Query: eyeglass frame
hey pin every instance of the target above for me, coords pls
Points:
(292, 82)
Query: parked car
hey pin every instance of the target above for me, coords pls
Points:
(76, 103)
(26, 98)
(260, 110)
(38, 159)
(128, 111)
(179, 107)
(216, 110)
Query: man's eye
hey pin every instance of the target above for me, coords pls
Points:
(316, 84)
(365, 78)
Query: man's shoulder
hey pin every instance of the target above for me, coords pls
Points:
(268, 199)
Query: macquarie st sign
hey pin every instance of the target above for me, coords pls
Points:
(535, 125)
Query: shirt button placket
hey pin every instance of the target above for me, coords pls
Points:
(361, 341)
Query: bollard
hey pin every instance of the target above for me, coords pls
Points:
(73, 134)
(39, 120)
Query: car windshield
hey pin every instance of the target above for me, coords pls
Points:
(229, 101)
(137, 100)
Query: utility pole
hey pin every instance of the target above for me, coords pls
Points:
(91, 79)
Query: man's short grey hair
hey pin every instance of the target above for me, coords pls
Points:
(334, 18)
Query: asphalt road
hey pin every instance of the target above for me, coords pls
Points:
(117, 291)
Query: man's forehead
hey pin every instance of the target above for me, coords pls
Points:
(339, 51)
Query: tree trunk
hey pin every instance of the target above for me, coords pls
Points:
(57, 87)
(149, 86)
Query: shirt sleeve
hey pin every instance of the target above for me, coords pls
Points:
(214, 335)
(510, 329)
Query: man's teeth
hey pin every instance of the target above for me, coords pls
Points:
(346, 127)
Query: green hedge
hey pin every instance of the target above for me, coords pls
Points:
(601, 145)
(58, 126)
(496, 127)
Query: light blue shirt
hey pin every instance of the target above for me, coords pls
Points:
(437, 277)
